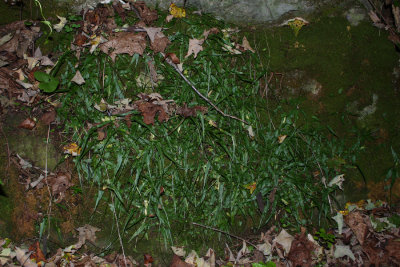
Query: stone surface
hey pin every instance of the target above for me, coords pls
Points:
(239, 11)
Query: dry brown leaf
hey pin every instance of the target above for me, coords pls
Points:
(101, 135)
(150, 110)
(59, 184)
(37, 253)
(185, 111)
(153, 72)
(158, 40)
(177, 262)
(48, 117)
(78, 79)
(124, 43)
(195, 46)
(357, 224)
(147, 15)
(28, 124)
(173, 58)
(246, 45)
(301, 250)
(86, 232)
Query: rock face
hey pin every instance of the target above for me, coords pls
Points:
(240, 11)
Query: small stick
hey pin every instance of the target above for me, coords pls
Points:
(223, 232)
(169, 61)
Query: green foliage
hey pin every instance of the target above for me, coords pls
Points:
(324, 238)
(48, 83)
(261, 264)
(187, 170)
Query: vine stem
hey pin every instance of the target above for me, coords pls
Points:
(172, 64)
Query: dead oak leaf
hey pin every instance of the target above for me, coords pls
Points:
(158, 40)
(185, 111)
(86, 232)
(147, 15)
(195, 46)
(124, 43)
(149, 111)
(59, 184)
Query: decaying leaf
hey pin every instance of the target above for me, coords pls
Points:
(177, 262)
(147, 15)
(246, 45)
(185, 111)
(157, 39)
(59, 184)
(58, 27)
(28, 124)
(23, 258)
(285, 240)
(78, 79)
(180, 251)
(341, 251)
(48, 117)
(301, 250)
(86, 232)
(355, 221)
(337, 180)
(124, 43)
(195, 46)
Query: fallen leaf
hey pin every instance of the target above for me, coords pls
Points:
(265, 248)
(124, 43)
(285, 240)
(169, 18)
(177, 262)
(339, 220)
(341, 251)
(78, 79)
(37, 254)
(101, 135)
(147, 15)
(185, 111)
(48, 117)
(59, 26)
(28, 124)
(173, 58)
(86, 232)
(180, 251)
(337, 180)
(357, 224)
(177, 12)
(23, 258)
(148, 259)
(59, 184)
(246, 45)
(72, 149)
(195, 46)
(281, 138)
(301, 250)
(4, 39)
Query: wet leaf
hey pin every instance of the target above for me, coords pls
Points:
(28, 124)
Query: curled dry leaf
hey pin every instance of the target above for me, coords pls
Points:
(28, 124)
(173, 58)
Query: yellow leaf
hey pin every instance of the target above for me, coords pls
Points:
(72, 149)
(251, 187)
(177, 12)
(281, 138)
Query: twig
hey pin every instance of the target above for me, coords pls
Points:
(168, 60)
(119, 235)
(223, 232)
(48, 187)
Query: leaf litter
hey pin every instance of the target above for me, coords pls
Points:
(360, 242)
